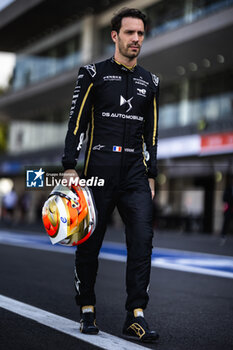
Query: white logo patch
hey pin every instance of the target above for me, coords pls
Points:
(140, 81)
(91, 69)
(98, 147)
(155, 79)
(77, 281)
(124, 101)
(112, 78)
(141, 92)
(130, 150)
(81, 138)
(146, 153)
(75, 96)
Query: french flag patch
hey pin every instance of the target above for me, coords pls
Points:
(117, 148)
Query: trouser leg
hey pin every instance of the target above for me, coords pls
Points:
(135, 208)
(86, 262)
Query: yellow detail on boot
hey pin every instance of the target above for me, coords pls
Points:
(138, 312)
(87, 308)
(137, 329)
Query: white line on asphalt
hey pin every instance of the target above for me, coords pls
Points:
(64, 325)
(195, 269)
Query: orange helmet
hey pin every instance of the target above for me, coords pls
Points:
(69, 215)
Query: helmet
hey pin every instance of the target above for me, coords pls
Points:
(69, 215)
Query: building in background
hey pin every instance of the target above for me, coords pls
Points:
(188, 45)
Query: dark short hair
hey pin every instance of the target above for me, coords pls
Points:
(127, 12)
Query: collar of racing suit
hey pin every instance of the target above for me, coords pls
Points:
(122, 66)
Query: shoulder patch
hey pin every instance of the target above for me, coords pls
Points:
(91, 69)
(155, 79)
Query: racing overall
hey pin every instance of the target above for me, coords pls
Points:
(120, 106)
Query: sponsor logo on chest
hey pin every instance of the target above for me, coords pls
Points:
(141, 92)
(112, 78)
(98, 147)
(141, 81)
(123, 101)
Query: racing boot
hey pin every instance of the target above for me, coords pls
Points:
(88, 321)
(136, 327)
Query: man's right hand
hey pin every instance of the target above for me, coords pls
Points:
(70, 175)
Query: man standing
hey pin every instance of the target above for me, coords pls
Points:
(119, 101)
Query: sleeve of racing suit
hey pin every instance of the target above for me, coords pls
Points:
(151, 133)
(80, 114)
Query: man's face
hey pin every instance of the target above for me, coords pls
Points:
(130, 37)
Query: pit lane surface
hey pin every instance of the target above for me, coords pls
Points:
(189, 310)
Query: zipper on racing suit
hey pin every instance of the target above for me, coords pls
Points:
(124, 133)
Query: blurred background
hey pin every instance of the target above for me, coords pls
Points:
(188, 45)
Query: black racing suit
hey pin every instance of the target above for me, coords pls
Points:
(120, 105)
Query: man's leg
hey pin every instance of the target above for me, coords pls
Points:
(86, 263)
(135, 207)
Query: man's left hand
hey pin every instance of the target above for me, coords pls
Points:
(152, 187)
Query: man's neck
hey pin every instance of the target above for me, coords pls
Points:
(129, 63)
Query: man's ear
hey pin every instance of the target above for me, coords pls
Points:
(114, 35)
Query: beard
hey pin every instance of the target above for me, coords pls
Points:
(127, 51)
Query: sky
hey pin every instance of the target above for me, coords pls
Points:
(7, 62)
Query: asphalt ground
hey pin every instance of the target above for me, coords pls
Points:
(189, 310)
